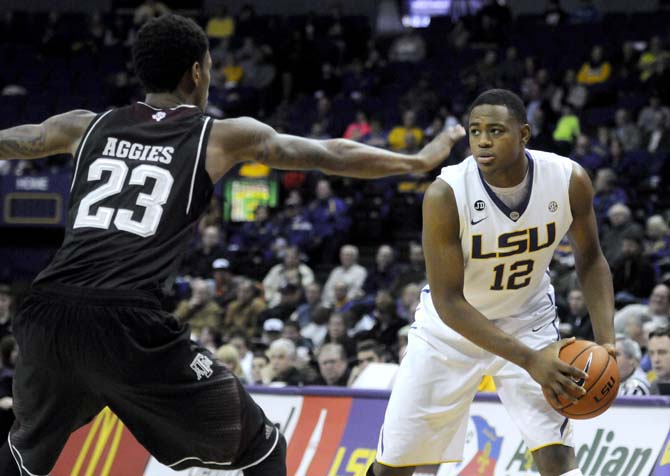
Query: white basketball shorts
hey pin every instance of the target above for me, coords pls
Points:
(427, 415)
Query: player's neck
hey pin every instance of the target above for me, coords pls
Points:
(509, 177)
(167, 100)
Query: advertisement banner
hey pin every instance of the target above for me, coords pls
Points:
(334, 433)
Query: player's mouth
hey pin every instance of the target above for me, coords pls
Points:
(485, 158)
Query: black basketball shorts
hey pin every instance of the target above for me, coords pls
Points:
(83, 349)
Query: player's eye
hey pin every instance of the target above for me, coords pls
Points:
(474, 132)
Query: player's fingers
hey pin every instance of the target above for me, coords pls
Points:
(571, 388)
(563, 342)
(574, 372)
(552, 396)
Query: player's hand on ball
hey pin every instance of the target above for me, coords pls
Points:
(437, 150)
(611, 350)
(559, 378)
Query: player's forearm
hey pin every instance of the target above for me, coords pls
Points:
(362, 161)
(596, 281)
(337, 157)
(23, 142)
(462, 317)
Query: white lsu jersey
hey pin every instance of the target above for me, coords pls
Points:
(507, 252)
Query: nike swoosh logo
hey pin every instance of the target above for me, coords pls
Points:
(472, 222)
(581, 381)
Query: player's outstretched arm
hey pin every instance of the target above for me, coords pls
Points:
(444, 266)
(245, 139)
(59, 134)
(592, 268)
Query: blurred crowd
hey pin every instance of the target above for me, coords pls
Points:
(320, 287)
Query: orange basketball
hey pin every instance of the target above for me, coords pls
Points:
(602, 384)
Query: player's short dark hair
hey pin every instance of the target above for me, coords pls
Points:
(165, 48)
(502, 97)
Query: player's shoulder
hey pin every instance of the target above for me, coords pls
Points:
(545, 157)
(549, 163)
(453, 173)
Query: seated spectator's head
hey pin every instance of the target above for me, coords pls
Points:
(321, 315)
(313, 293)
(8, 352)
(618, 214)
(634, 328)
(659, 353)
(5, 300)
(628, 356)
(323, 190)
(621, 117)
(631, 245)
(385, 257)
(369, 351)
(603, 136)
(230, 358)
(410, 296)
(239, 339)
(616, 147)
(261, 213)
(409, 119)
(348, 255)
(583, 144)
(221, 270)
(361, 117)
(659, 300)
(576, 302)
(246, 291)
(605, 180)
(292, 257)
(272, 329)
(596, 54)
(290, 294)
(291, 331)
(282, 356)
(656, 227)
(210, 237)
(259, 362)
(201, 292)
(416, 253)
(340, 291)
(384, 303)
(332, 362)
(337, 326)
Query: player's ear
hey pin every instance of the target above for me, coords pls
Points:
(196, 72)
(525, 134)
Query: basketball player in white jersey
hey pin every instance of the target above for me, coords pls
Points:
(491, 224)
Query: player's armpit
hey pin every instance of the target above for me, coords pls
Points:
(59, 134)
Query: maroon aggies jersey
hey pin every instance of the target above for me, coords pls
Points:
(139, 187)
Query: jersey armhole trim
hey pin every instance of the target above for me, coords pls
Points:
(83, 144)
(197, 161)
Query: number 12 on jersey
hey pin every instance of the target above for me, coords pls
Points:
(517, 277)
(151, 202)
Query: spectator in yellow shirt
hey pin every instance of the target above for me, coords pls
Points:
(221, 26)
(596, 70)
(406, 137)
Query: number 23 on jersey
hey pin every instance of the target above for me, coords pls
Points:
(123, 218)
